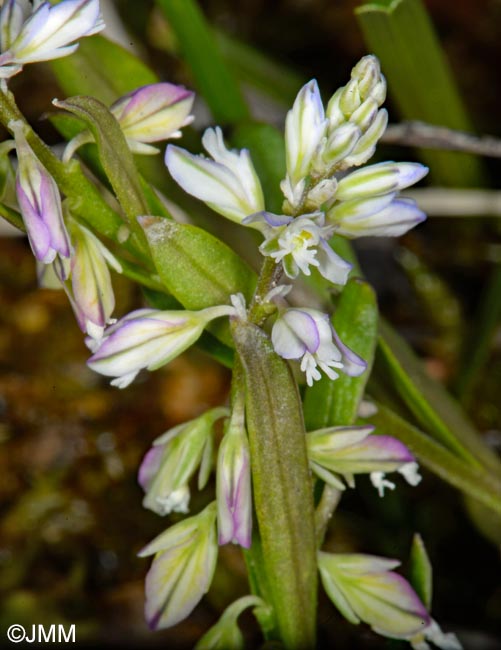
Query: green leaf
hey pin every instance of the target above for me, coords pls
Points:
(432, 406)
(196, 267)
(114, 154)
(281, 485)
(267, 148)
(213, 78)
(102, 69)
(421, 571)
(334, 403)
(402, 36)
(473, 481)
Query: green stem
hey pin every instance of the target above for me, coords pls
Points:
(84, 198)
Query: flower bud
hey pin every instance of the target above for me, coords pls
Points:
(174, 458)
(91, 292)
(364, 588)
(228, 184)
(149, 338)
(234, 495)
(182, 569)
(305, 127)
(378, 179)
(48, 32)
(342, 452)
(40, 203)
(152, 113)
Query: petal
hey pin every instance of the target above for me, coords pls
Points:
(208, 181)
(294, 333)
(396, 219)
(333, 267)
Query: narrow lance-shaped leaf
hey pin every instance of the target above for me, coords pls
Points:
(332, 403)
(421, 571)
(434, 409)
(196, 267)
(114, 154)
(282, 486)
(213, 77)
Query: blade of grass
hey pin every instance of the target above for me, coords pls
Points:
(213, 78)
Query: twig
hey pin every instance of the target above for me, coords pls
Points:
(445, 202)
(429, 136)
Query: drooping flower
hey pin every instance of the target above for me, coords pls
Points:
(153, 113)
(300, 243)
(307, 334)
(228, 183)
(364, 588)
(148, 114)
(40, 203)
(48, 33)
(89, 289)
(149, 338)
(182, 569)
(337, 453)
(174, 458)
(233, 486)
(225, 634)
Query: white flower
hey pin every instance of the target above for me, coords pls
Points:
(300, 243)
(228, 183)
(307, 334)
(49, 32)
(148, 338)
(305, 127)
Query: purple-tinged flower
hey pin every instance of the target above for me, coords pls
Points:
(337, 453)
(225, 634)
(49, 32)
(300, 243)
(307, 334)
(148, 338)
(170, 464)
(305, 128)
(364, 588)
(182, 569)
(90, 290)
(228, 183)
(40, 203)
(233, 486)
(153, 113)
(381, 178)
(379, 216)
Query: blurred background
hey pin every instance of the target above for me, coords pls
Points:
(71, 516)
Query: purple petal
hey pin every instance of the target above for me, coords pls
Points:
(353, 365)
(150, 466)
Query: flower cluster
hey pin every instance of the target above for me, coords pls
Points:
(40, 31)
(323, 199)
